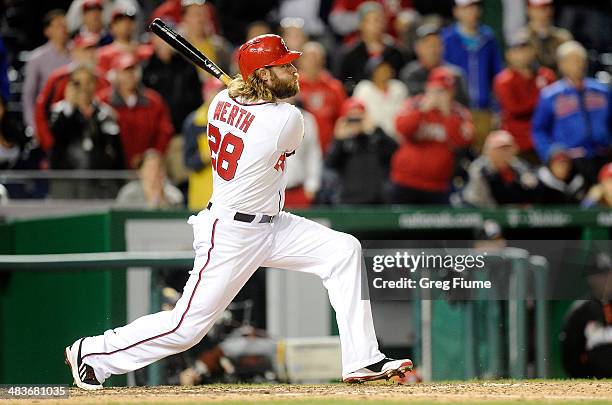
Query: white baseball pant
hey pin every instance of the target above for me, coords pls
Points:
(227, 253)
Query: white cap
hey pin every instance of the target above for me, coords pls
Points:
(463, 3)
(540, 3)
(187, 3)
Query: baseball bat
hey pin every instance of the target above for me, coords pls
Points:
(187, 50)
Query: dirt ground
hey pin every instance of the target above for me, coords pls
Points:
(489, 392)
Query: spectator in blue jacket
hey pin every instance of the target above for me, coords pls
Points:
(472, 46)
(575, 113)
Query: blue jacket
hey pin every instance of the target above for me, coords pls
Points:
(480, 65)
(572, 119)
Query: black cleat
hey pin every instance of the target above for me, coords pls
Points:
(83, 374)
(383, 370)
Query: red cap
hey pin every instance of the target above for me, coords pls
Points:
(85, 40)
(540, 3)
(605, 172)
(91, 4)
(124, 61)
(263, 51)
(499, 139)
(350, 104)
(560, 157)
(558, 153)
(441, 77)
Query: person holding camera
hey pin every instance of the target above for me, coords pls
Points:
(83, 51)
(360, 155)
(434, 126)
(86, 137)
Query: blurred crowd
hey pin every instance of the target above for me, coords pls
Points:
(464, 102)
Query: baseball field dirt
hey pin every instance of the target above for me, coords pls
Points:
(478, 392)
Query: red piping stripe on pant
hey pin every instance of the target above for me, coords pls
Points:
(212, 245)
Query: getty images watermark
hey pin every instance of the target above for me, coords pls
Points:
(410, 263)
(460, 270)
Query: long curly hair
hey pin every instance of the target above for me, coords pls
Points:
(253, 89)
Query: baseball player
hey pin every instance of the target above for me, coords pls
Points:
(251, 132)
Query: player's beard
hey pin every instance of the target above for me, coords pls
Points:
(282, 89)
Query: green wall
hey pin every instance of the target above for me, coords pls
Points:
(42, 312)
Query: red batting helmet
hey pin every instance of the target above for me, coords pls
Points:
(262, 51)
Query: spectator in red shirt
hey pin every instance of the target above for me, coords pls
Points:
(123, 28)
(83, 52)
(144, 118)
(433, 126)
(517, 89)
(320, 93)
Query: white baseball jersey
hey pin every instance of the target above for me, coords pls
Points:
(248, 143)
